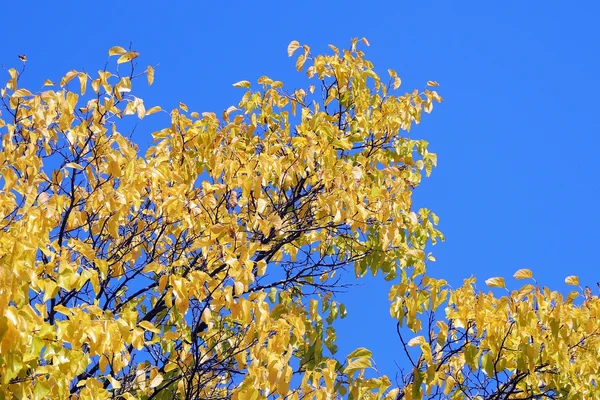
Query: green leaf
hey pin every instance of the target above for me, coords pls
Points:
(487, 363)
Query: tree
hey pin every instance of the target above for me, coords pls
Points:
(207, 267)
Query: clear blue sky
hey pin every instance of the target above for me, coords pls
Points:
(517, 136)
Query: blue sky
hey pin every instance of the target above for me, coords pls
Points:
(516, 137)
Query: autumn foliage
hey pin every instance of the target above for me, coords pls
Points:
(207, 266)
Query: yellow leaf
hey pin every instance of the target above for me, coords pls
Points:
(572, 280)
(523, 274)
(292, 47)
(153, 110)
(449, 384)
(73, 165)
(48, 82)
(261, 204)
(242, 84)
(183, 107)
(115, 383)
(496, 282)
(397, 82)
(171, 335)
(432, 83)
(261, 268)
(149, 326)
(156, 381)
(67, 78)
(361, 352)
(365, 41)
(171, 366)
(238, 288)
(130, 55)
(116, 51)
(162, 283)
(21, 93)
(150, 75)
(357, 364)
(206, 315)
(83, 82)
(300, 62)
(416, 341)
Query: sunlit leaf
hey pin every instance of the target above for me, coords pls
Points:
(150, 75)
(153, 110)
(242, 84)
(116, 51)
(496, 282)
(572, 280)
(292, 47)
(128, 56)
(523, 274)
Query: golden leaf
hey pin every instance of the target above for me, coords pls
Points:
(416, 341)
(156, 381)
(67, 78)
(496, 282)
(523, 274)
(292, 47)
(242, 84)
(300, 62)
(572, 280)
(116, 51)
(130, 55)
(150, 74)
(21, 93)
(153, 110)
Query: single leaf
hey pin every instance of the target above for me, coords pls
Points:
(156, 381)
(432, 83)
(416, 341)
(67, 78)
(496, 282)
(150, 75)
(300, 62)
(523, 274)
(153, 110)
(116, 51)
(357, 364)
(361, 352)
(572, 280)
(292, 47)
(171, 366)
(242, 84)
(149, 326)
(73, 165)
(83, 82)
(21, 93)
(130, 55)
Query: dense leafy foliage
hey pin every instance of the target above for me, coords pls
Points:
(207, 267)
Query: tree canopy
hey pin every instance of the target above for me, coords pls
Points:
(207, 267)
